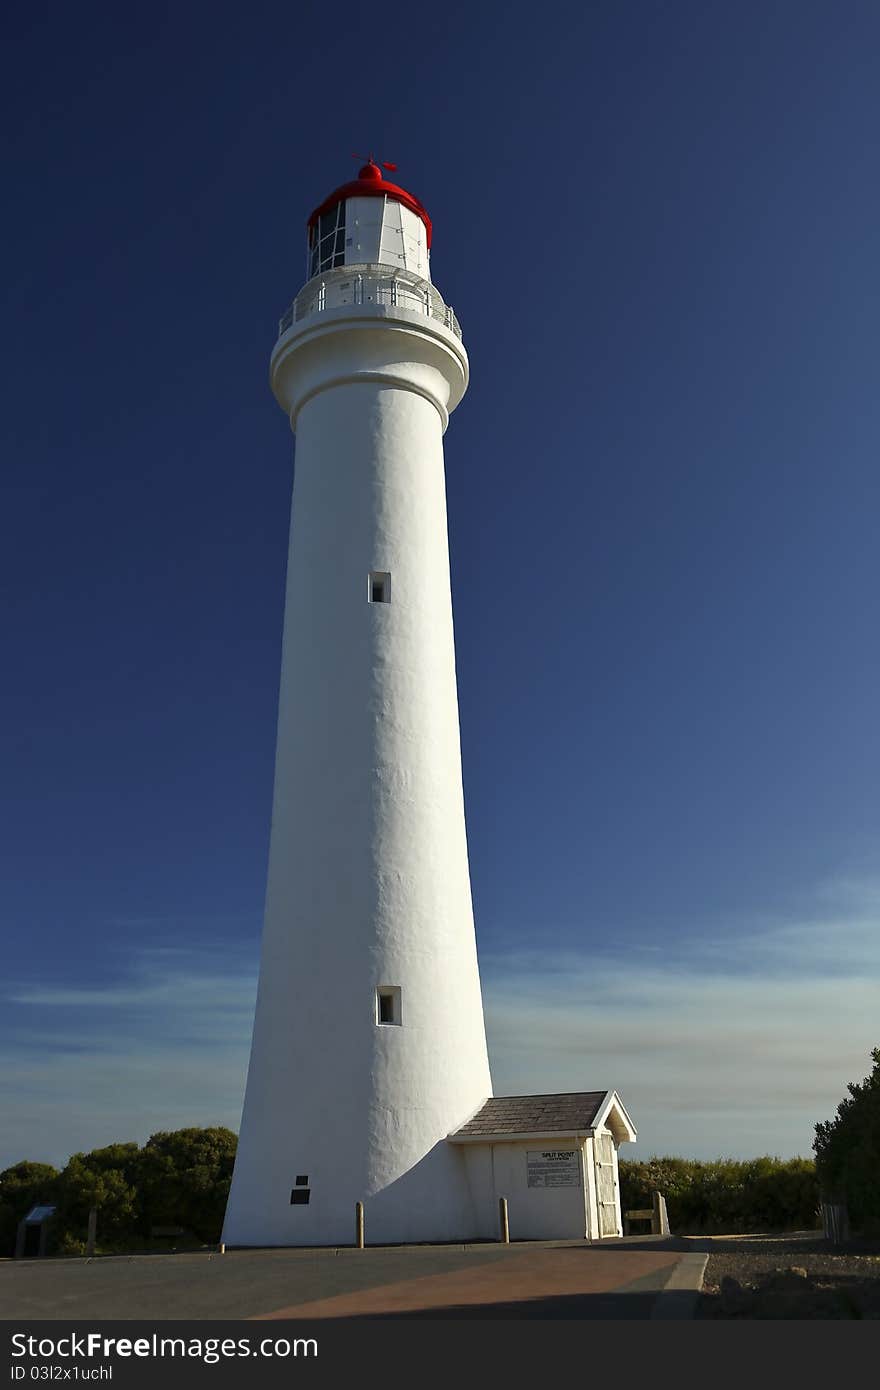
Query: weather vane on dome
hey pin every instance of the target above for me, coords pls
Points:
(392, 168)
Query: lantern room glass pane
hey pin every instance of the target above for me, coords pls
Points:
(327, 241)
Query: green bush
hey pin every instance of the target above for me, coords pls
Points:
(107, 1179)
(184, 1178)
(847, 1152)
(725, 1195)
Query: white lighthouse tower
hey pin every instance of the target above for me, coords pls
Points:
(369, 1045)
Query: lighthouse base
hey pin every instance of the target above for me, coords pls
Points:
(431, 1203)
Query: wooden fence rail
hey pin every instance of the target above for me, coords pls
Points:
(656, 1214)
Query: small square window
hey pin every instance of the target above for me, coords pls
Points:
(379, 587)
(302, 1180)
(388, 1004)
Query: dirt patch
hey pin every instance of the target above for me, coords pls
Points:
(796, 1275)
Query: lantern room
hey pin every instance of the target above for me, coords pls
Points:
(369, 221)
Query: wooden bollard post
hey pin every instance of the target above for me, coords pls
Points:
(659, 1218)
(92, 1231)
(359, 1225)
(503, 1221)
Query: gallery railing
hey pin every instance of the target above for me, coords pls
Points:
(369, 285)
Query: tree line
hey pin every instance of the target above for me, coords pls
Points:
(726, 1195)
(179, 1180)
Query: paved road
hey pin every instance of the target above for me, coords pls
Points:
(544, 1280)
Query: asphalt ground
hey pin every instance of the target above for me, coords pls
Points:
(619, 1279)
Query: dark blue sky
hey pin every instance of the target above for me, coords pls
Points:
(658, 224)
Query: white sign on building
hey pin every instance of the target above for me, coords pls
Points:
(553, 1168)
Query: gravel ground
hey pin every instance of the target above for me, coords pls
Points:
(795, 1275)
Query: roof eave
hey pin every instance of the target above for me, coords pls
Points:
(612, 1102)
(503, 1138)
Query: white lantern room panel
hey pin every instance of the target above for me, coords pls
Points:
(363, 230)
(391, 250)
(380, 231)
(415, 243)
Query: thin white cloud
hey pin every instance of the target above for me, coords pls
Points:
(734, 1045)
(163, 1049)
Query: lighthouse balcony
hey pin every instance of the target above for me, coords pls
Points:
(366, 285)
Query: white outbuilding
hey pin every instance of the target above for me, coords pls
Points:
(553, 1157)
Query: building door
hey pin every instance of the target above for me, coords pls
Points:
(606, 1187)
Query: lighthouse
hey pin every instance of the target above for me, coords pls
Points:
(369, 1047)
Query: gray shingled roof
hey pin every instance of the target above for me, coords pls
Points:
(560, 1114)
